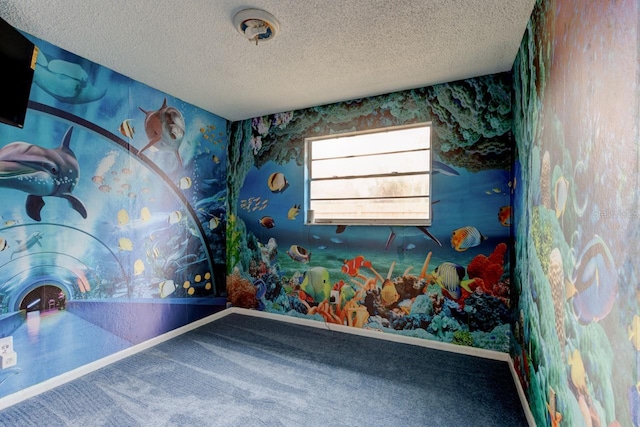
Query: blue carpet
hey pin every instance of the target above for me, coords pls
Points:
(249, 371)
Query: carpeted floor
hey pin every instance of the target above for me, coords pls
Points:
(250, 371)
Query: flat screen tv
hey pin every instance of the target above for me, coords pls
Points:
(17, 65)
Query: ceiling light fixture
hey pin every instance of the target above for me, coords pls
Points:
(256, 25)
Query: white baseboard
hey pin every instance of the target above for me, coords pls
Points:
(521, 395)
(49, 384)
(56, 381)
(471, 351)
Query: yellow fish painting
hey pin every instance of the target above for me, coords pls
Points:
(389, 294)
(293, 212)
(125, 244)
(123, 217)
(634, 332)
(578, 373)
(145, 214)
(138, 267)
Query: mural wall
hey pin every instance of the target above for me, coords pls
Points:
(448, 282)
(112, 217)
(577, 214)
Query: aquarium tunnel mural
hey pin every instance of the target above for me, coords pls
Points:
(162, 212)
(113, 214)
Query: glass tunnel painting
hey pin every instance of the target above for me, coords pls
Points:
(448, 282)
(112, 217)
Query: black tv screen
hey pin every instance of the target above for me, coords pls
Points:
(17, 65)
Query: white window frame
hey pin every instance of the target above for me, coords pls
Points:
(327, 211)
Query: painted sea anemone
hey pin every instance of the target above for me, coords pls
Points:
(240, 291)
(490, 269)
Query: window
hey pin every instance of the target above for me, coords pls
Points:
(378, 178)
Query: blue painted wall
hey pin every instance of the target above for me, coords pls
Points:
(472, 187)
(576, 213)
(113, 194)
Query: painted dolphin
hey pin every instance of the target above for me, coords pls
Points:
(165, 129)
(65, 81)
(28, 243)
(41, 172)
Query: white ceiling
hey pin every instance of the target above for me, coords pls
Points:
(326, 50)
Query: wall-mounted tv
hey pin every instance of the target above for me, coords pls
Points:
(17, 65)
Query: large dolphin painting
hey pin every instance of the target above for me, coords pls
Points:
(165, 129)
(41, 172)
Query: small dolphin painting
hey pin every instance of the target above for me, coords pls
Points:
(41, 172)
(66, 81)
(165, 129)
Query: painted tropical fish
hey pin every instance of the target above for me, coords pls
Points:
(389, 294)
(277, 182)
(353, 266)
(504, 215)
(138, 267)
(165, 129)
(465, 238)
(316, 283)
(166, 288)
(578, 372)
(634, 332)
(595, 279)
(298, 253)
(448, 276)
(293, 212)
(185, 183)
(214, 222)
(267, 222)
(41, 172)
(126, 129)
(561, 192)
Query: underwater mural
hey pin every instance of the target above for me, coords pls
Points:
(577, 218)
(448, 282)
(113, 214)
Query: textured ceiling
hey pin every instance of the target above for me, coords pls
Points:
(326, 50)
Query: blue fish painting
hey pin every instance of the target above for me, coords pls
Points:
(595, 280)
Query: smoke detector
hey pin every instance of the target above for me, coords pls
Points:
(256, 25)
